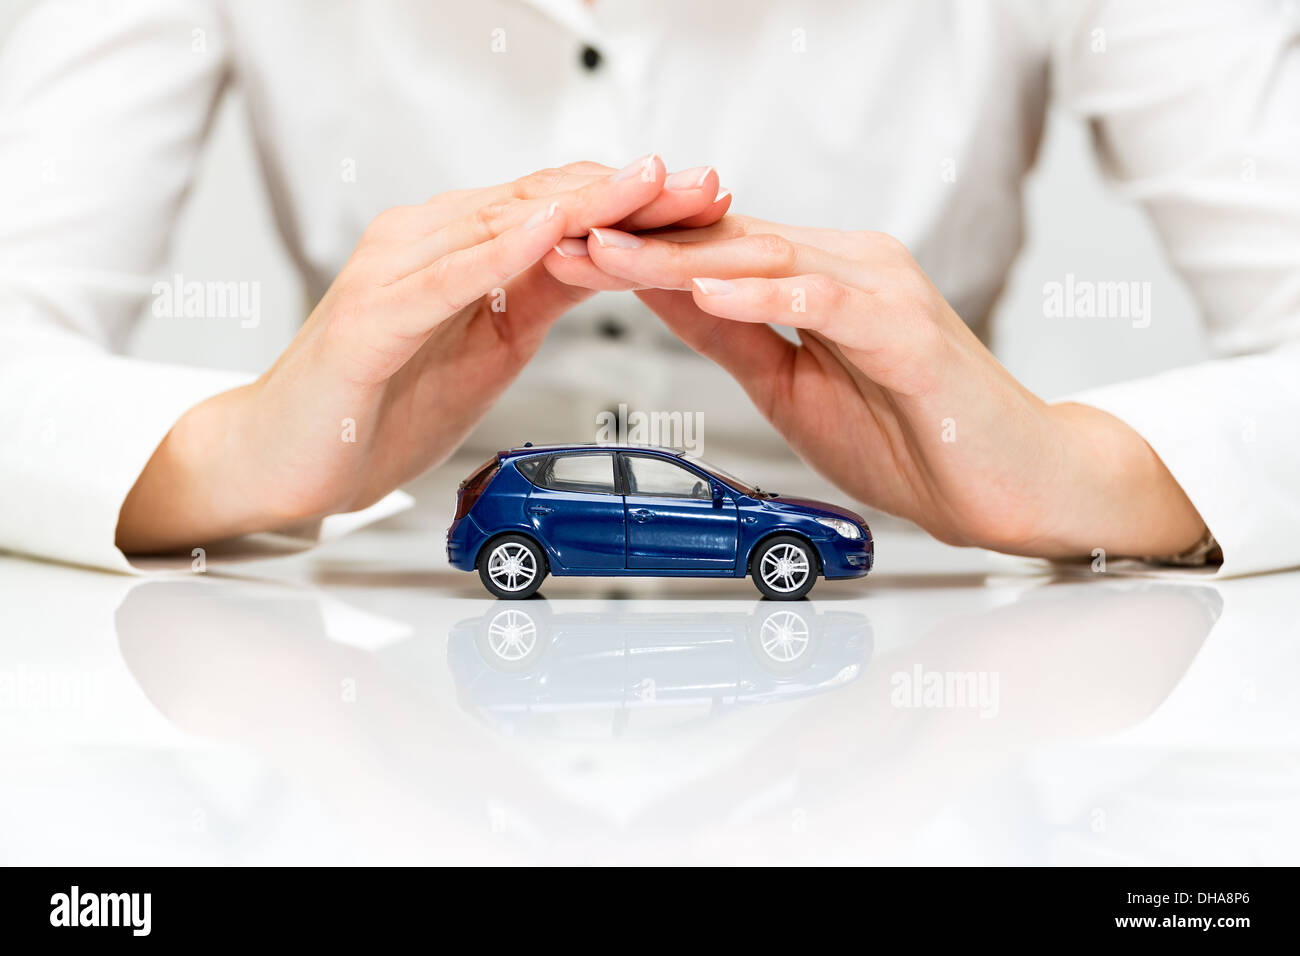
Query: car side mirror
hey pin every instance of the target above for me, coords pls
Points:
(717, 495)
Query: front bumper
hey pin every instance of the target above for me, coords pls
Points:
(847, 557)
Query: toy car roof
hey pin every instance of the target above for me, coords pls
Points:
(530, 449)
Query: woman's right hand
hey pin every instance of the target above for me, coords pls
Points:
(434, 314)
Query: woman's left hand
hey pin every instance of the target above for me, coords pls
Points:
(888, 393)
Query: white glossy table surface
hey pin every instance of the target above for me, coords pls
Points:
(362, 702)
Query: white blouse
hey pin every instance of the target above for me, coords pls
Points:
(916, 117)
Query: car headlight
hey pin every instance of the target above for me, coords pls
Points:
(845, 529)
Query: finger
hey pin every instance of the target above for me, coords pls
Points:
(428, 296)
(597, 203)
(717, 209)
(687, 194)
(536, 185)
(533, 301)
(569, 263)
(661, 264)
(845, 245)
(754, 354)
(844, 314)
(688, 202)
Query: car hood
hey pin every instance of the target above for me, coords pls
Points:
(810, 506)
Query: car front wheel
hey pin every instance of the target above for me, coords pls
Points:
(512, 567)
(784, 568)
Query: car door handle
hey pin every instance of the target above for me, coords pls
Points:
(540, 510)
(641, 515)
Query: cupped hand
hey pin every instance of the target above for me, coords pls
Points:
(433, 315)
(888, 393)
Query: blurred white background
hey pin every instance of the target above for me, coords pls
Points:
(1075, 225)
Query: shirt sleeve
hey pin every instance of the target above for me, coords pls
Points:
(104, 108)
(1194, 110)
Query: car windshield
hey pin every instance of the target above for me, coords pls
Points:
(744, 487)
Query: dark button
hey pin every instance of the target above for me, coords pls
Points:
(590, 57)
(611, 328)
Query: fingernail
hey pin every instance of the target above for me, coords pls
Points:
(572, 248)
(645, 165)
(541, 216)
(614, 239)
(713, 286)
(722, 194)
(688, 178)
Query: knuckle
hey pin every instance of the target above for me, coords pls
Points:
(541, 183)
(827, 292)
(672, 252)
(776, 251)
(730, 229)
(490, 218)
(384, 223)
(907, 287)
(434, 275)
(886, 246)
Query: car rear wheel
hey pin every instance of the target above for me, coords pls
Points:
(784, 568)
(512, 567)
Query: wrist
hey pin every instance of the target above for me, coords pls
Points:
(1119, 496)
(189, 493)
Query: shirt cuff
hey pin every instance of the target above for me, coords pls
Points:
(1225, 429)
(86, 424)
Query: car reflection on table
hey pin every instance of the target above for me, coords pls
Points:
(526, 668)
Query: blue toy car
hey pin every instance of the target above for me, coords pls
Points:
(634, 511)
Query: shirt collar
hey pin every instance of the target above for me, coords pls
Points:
(575, 15)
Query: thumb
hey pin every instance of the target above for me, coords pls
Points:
(534, 299)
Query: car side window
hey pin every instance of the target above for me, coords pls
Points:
(529, 467)
(660, 478)
(587, 473)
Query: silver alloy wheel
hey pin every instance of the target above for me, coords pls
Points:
(512, 566)
(784, 568)
(784, 636)
(512, 635)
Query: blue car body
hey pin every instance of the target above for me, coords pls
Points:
(626, 534)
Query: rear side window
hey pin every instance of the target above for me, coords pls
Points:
(473, 486)
(531, 467)
(586, 473)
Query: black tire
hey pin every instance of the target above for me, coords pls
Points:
(529, 561)
(797, 578)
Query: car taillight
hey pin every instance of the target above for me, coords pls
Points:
(472, 488)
